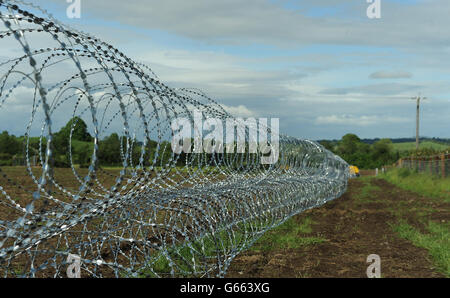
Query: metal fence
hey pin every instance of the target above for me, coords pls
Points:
(438, 165)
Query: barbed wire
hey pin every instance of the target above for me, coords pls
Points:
(161, 214)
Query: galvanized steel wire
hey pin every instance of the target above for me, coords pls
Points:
(152, 218)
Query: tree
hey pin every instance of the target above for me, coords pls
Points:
(79, 133)
(382, 152)
(109, 150)
(363, 155)
(61, 151)
(9, 144)
(327, 145)
(60, 143)
(349, 144)
(83, 155)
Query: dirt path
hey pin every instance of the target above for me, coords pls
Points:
(353, 226)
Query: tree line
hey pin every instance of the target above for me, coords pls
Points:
(363, 155)
(370, 156)
(73, 144)
(111, 150)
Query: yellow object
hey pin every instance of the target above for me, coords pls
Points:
(354, 171)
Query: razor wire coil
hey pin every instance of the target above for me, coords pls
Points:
(161, 214)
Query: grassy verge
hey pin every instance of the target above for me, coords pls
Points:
(288, 235)
(422, 183)
(435, 237)
(367, 193)
(436, 241)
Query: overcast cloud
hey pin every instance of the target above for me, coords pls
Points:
(321, 66)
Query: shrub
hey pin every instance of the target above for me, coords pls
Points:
(5, 159)
(403, 172)
(5, 163)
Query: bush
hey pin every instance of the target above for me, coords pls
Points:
(366, 156)
(5, 159)
(85, 165)
(61, 162)
(5, 156)
(403, 172)
(5, 163)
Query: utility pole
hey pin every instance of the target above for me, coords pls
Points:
(418, 98)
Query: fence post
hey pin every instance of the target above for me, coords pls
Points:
(431, 164)
(443, 165)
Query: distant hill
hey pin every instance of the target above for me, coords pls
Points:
(406, 144)
(401, 140)
(409, 146)
(410, 140)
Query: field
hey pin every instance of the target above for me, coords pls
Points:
(410, 232)
(408, 226)
(432, 186)
(408, 146)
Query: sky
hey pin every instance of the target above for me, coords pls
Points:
(322, 67)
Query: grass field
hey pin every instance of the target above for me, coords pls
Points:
(408, 146)
(421, 183)
(435, 235)
(435, 239)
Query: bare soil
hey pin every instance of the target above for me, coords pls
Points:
(354, 228)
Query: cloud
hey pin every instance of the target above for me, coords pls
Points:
(269, 22)
(284, 59)
(239, 111)
(390, 75)
(375, 89)
(358, 120)
(221, 76)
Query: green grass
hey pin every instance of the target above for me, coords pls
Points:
(421, 183)
(183, 255)
(367, 193)
(288, 235)
(408, 146)
(79, 145)
(436, 236)
(436, 241)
